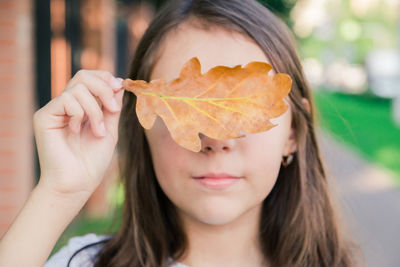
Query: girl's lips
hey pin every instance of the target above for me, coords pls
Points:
(217, 181)
(217, 176)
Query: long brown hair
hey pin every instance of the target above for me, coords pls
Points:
(299, 223)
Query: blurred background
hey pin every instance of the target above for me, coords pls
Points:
(350, 52)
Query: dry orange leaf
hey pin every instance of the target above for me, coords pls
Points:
(219, 104)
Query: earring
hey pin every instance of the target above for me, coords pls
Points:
(286, 160)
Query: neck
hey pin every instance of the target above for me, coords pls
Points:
(233, 244)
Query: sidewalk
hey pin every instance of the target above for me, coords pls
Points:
(370, 199)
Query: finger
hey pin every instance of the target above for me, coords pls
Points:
(91, 108)
(74, 110)
(120, 80)
(61, 106)
(111, 120)
(98, 87)
(115, 83)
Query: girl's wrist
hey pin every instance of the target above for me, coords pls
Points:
(42, 220)
(62, 199)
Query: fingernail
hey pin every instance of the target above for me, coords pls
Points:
(115, 83)
(114, 104)
(102, 129)
(78, 127)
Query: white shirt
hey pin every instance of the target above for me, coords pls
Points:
(86, 257)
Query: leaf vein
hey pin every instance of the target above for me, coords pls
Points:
(211, 86)
(230, 109)
(170, 109)
(203, 112)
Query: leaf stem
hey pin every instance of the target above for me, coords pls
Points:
(193, 99)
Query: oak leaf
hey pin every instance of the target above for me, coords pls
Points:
(219, 104)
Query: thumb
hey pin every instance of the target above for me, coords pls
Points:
(111, 120)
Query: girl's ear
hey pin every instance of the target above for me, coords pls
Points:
(291, 143)
(306, 104)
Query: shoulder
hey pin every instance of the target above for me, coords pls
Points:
(90, 245)
(172, 263)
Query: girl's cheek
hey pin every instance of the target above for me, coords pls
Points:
(168, 152)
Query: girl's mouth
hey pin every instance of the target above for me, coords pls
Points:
(217, 181)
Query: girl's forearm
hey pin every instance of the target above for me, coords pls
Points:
(33, 234)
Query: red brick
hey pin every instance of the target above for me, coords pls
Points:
(7, 23)
(7, 5)
(16, 109)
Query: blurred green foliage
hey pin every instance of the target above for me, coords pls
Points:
(351, 36)
(281, 8)
(83, 225)
(364, 123)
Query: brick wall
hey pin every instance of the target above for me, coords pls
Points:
(98, 52)
(16, 108)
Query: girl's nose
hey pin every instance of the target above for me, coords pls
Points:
(212, 145)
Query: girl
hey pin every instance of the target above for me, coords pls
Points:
(278, 213)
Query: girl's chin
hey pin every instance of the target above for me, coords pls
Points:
(216, 221)
(217, 217)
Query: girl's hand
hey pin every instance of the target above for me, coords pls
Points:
(77, 131)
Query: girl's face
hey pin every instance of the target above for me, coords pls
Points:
(256, 158)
